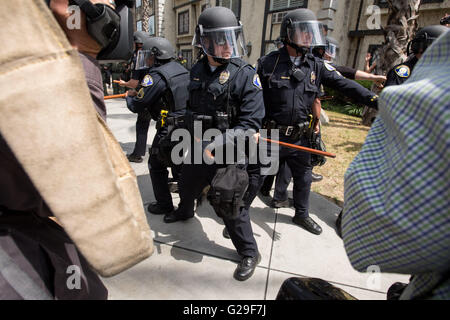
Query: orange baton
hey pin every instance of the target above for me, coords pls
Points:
(305, 149)
(115, 96)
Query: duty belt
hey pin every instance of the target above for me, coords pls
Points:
(294, 131)
(176, 121)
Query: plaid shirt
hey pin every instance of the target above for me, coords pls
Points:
(397, 189)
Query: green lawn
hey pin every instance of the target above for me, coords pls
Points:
(343, 136)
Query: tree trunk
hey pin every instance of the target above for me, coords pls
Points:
(401, 28)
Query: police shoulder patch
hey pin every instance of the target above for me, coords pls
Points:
(329, 67)
(403, 71)
(147, 81)
(257, 81)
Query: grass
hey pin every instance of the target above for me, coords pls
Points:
(343, 136)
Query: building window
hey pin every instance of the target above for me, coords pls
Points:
(138, 3)
(278, 17)
(139, 25)
(187, 54)
(234, 5)
(151, 25)
(183, 22)
(286, 4)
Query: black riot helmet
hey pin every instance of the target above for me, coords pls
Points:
(301, 30)
(157, 47)
(424, 37)
(220, 34)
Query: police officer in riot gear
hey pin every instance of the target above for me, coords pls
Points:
(144, 117)
(422, 40)
(164, 94)
(224, 92)
(291, 78)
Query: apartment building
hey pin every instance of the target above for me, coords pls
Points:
(356, 24)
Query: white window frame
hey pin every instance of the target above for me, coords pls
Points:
(288, 6)
(151, 27)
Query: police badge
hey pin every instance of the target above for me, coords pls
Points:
(224, 76)
(313, 77)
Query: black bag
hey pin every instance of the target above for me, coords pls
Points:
(311, 289)
(227, 191)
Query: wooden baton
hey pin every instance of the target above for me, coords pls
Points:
(305, 149)
(115, 96)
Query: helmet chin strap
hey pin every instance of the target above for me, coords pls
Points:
(302, 50)
(221, 60)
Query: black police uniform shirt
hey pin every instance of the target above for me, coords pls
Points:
(153, 86)
(208, 92)
(400, 73)
(288, 100)
(347, 72)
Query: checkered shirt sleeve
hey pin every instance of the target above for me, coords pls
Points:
(397, 189)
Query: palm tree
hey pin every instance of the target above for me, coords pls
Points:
(401, 28)
(147, 13)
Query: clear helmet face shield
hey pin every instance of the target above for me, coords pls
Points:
(306, 34)
(331, 52)
(222, 43)
(144, 59)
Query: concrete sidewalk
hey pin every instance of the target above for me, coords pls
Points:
(192, 260)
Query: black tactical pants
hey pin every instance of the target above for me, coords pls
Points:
(142, 126)
(299, 163)
(283, 178)
(159, 173)
(194, 178)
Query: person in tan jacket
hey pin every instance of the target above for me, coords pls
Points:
(44, 175)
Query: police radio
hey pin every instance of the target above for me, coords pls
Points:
(298, 74)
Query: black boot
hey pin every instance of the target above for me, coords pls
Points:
(177, 215)
(279, 204)
(225, 233)
(135, 158)
(155, 208)
(308, 224)
(246, 267)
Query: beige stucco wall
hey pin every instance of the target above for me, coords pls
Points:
(252, 17)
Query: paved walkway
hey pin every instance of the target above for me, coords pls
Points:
(192, 260)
